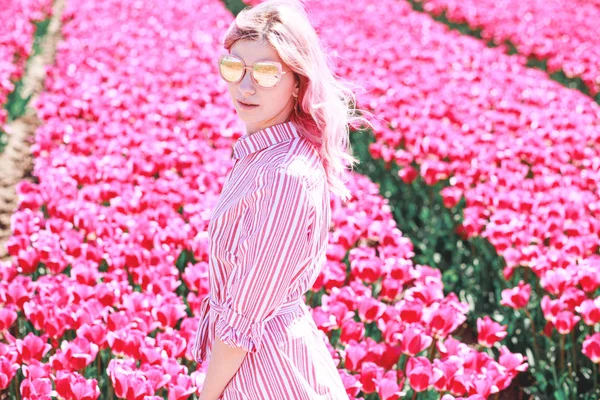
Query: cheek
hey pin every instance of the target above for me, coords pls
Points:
(232, 89)
(278, 97)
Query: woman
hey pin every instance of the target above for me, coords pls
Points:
(269, 229)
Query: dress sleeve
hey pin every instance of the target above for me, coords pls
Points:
(274, 248)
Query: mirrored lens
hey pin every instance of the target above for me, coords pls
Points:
(231, 68)
(266, 74)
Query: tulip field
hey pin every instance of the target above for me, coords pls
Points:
(17, 37)
(465, 266)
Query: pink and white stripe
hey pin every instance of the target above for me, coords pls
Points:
(268, 235)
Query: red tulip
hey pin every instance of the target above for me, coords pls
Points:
(408, 174)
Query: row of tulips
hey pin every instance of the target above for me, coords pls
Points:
(127, 169)
(558, 32)
(519, 148)
(16, 40)
(109, 250)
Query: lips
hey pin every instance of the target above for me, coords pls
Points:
(246, 104)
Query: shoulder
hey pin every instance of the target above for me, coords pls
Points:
(302, 161)
(296, 162)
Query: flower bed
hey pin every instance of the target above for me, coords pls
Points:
(16, 40)
(518, 148)
(109, 252)
(559, 32)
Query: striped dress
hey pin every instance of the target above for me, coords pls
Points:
(268, 234)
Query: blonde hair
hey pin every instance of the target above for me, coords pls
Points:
(326, 104)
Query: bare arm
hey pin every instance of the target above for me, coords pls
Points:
(224, 363)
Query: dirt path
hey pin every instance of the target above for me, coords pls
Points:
(16, 162)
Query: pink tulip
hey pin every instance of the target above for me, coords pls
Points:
(32, 348)
(74, 355)
(351, 383)
(489, 332)
(565, 322)
(182, 389)
(590, 311)
(8, 370)
(370, 309)
(556, 281)
(127, 382)
(369, 374)
(352, 330)
(7, 318)
(512, 361)
(388, 387)
(40, 388)
(449, 367)
(451, 196)
(355, 353)
(420, 373)
(445, 319)
(367, 269)
(410, 311)
(591, 347)
(516, 297)
(389, 356)
(390, 289)
(414, 340)
(73, 386)
(589, 279)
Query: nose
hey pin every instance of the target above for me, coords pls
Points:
(246, 85)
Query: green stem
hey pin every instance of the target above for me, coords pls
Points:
(562, 353)
(573, 352)
(402, 362)
(414, 396)
(535, 346)
(595, 366)
(431, 352)
(16, 384)
(99, 358)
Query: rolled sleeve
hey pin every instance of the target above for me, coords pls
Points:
(274, 249)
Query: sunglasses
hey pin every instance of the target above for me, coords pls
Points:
(264, 73)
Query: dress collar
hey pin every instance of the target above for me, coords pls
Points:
(264, 138)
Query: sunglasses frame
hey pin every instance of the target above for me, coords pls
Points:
(277, 64)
